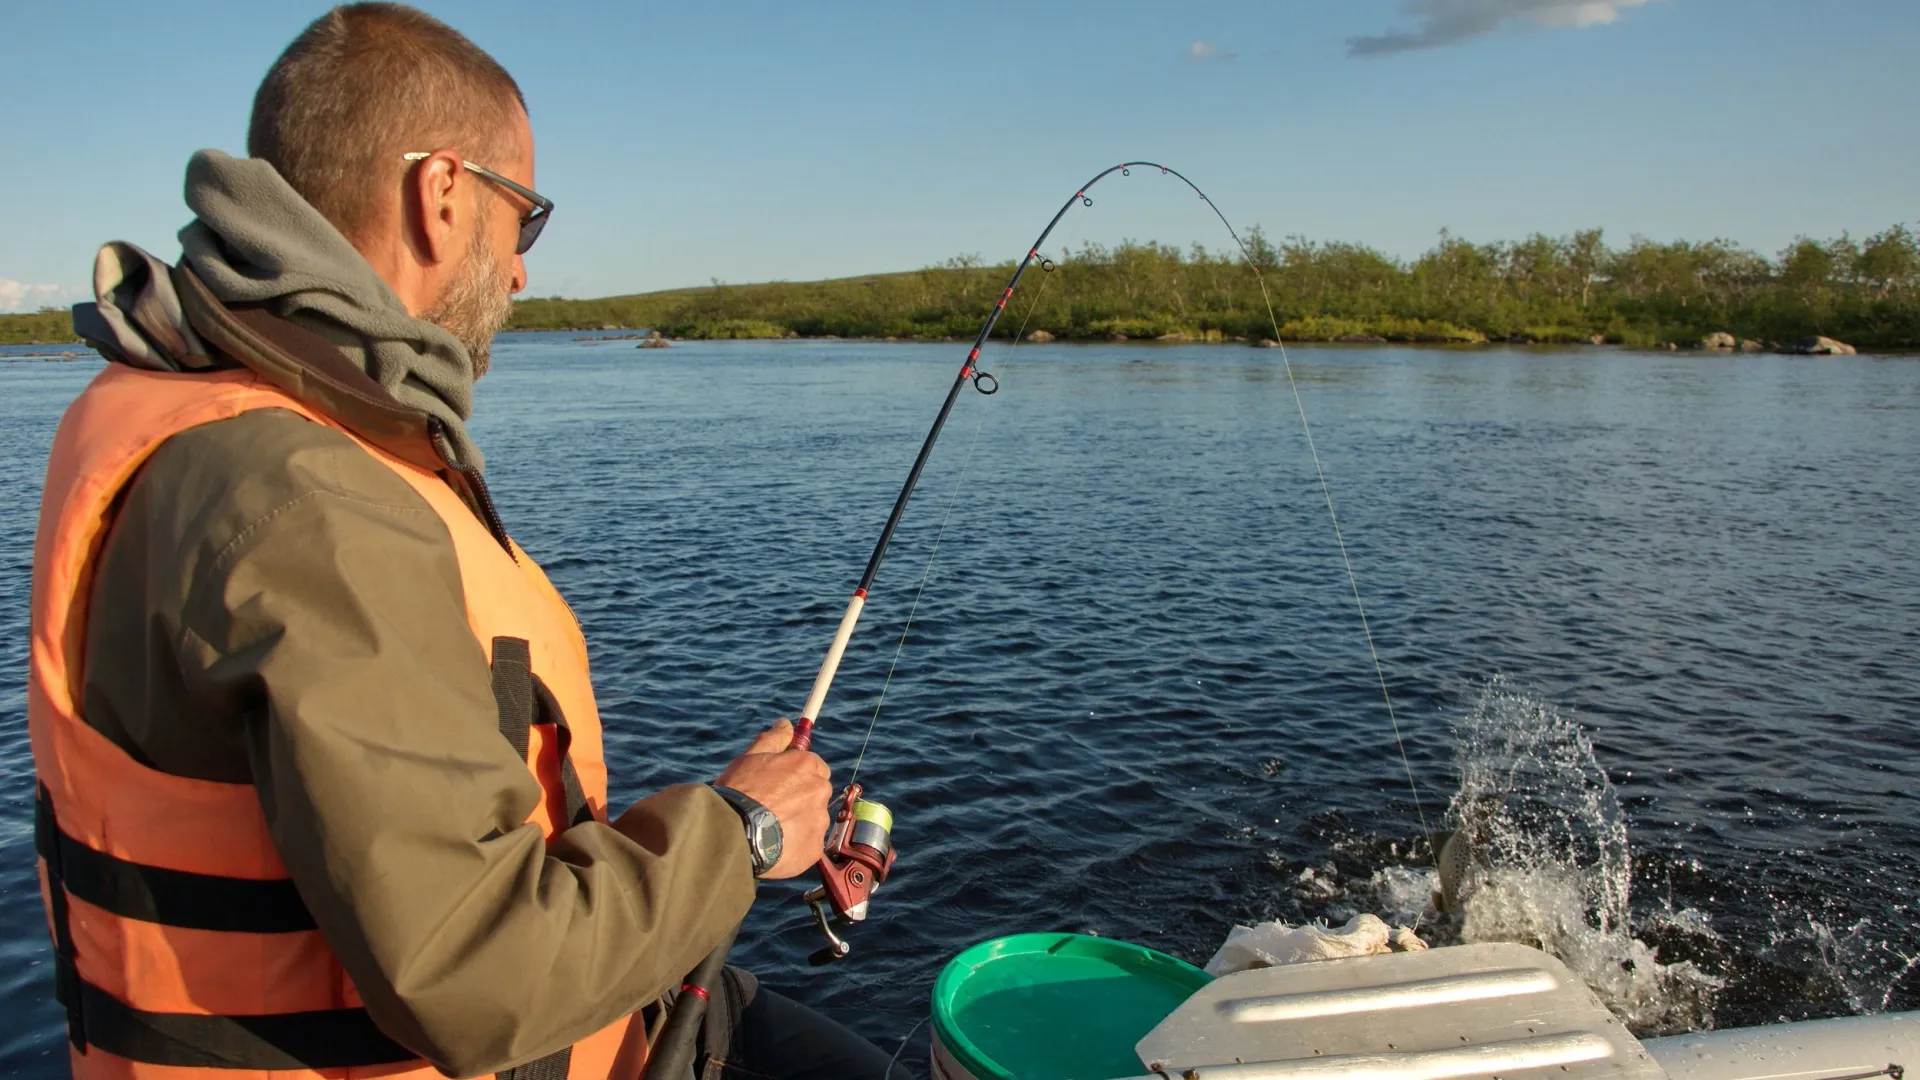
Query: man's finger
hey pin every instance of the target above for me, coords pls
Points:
(774, 739)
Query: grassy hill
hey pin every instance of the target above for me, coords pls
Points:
(1545, 289)
(51, 326)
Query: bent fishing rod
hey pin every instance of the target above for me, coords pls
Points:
(859, 850)
(858, 853)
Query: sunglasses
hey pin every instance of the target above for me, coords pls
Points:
(533, 221)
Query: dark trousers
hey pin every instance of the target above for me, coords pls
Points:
(777, 1038)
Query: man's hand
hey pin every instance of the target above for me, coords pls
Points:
(795, 786)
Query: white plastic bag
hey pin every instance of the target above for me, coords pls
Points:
(1271, 944)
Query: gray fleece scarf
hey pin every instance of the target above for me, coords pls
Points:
(256, 241)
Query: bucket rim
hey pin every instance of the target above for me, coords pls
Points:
(969, 1055)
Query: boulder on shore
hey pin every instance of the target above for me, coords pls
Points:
(1820, 346)
(1174, 338)
(1718, 340)
(1360, 339)
(1040, 337)
(1266, 343)
(1597, 339)
(1118, 337)
(1750, 345)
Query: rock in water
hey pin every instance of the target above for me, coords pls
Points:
(1718, 340)
(1040, 337)
(1823, 346)
(1750, 345)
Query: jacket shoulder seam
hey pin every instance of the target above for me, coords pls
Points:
(221, 557)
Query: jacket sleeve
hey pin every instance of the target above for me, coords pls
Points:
(335, 614)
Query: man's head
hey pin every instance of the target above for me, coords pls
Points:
(357, 91)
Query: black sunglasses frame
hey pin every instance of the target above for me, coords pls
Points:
(532, 223)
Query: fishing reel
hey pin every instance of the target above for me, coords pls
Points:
(859, 855)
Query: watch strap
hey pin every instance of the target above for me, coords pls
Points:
(753, 817)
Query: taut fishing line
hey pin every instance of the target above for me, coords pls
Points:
(1293, 386)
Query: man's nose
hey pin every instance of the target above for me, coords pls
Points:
(519, 274)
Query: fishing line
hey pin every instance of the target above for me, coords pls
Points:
(923, 1020)
(1326, 491)
(1353, 581)
(953, 493)
(1306, 427)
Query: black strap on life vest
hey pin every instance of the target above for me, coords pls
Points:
(524, 700)
(321, 1039)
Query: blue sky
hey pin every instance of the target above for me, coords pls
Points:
(747, 141)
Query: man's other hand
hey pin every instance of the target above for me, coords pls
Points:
(795, 785)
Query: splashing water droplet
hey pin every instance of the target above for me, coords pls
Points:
(1549, 863)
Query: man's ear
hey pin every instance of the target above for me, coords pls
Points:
(432, 214)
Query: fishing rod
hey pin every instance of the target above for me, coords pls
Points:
(858, 853)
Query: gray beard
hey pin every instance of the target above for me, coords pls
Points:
(475, 304)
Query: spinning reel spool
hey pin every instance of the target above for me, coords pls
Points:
(859, 855)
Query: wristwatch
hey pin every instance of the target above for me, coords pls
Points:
(763, 829)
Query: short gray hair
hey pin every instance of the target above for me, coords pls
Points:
(364, 84)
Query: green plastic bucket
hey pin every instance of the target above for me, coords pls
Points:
(1053, 1007)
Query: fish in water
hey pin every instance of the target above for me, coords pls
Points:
(1461, 856)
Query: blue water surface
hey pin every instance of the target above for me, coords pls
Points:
(1136, 699)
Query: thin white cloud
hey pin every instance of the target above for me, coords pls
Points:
(1201, 50)
(16, 296)
(1449, 22)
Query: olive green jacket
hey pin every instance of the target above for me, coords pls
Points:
(274, 606)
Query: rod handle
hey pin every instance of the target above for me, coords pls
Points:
(803, 730)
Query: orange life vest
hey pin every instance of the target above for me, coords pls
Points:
(180, 943)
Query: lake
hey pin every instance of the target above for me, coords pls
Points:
(1661, 610)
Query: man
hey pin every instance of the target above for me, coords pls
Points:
(321, 788)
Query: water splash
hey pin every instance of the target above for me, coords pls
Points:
(1857, 963)
(1552, 868)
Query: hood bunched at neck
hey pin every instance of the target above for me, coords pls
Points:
(254, 240)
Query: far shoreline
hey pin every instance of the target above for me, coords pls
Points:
(592, 335)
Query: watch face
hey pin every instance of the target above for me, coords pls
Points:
(766, 840)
